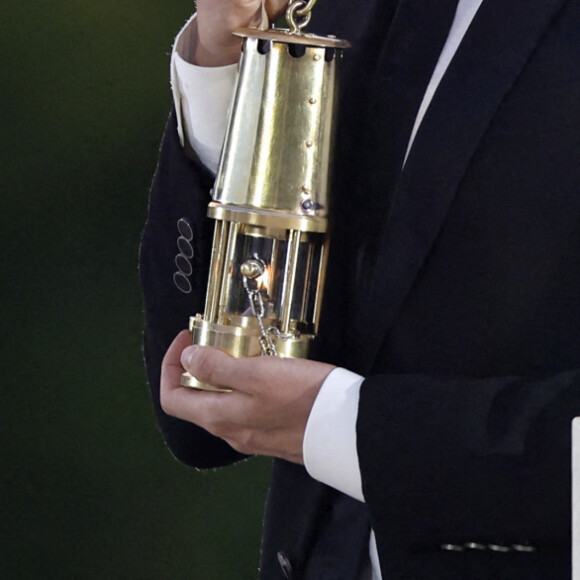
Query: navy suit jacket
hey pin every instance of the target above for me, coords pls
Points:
(454, 287)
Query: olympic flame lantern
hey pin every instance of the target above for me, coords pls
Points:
(270, 199)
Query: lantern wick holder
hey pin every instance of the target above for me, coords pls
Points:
(270, 198)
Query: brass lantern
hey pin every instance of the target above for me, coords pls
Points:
(270, 199)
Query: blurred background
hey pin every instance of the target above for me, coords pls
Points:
(87, 489)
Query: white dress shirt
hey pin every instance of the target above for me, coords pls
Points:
(202, 97)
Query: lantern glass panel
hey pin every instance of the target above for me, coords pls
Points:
(306, 284)
(272, 253)
(250, 247)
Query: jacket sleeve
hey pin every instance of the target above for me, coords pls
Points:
(457, 461)
(180, 190)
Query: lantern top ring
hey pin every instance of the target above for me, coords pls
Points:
(301, 9)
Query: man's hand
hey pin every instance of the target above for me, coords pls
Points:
(217, 19)
(267, 411)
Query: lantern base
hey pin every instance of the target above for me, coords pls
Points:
(239, 342)
(188, 380)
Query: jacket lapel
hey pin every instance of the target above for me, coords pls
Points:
(494, 50)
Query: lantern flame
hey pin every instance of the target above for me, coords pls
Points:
(263, 280)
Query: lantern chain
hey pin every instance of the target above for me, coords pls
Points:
(257, 304)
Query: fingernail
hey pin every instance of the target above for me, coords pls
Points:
(187, 356)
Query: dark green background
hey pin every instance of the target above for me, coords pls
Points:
(87, 489)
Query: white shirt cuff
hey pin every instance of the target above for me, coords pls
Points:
(202, 97)
(329, 446)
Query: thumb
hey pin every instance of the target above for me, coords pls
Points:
(215, 367)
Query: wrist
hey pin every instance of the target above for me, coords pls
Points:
(216, 54)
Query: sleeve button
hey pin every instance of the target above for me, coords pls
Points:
(452, 547)
(185, 247)
(499, 548)
(475, 546)
(185, 229)
(523, 548)
(183, 265)
(285, 565)
(182, 282)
